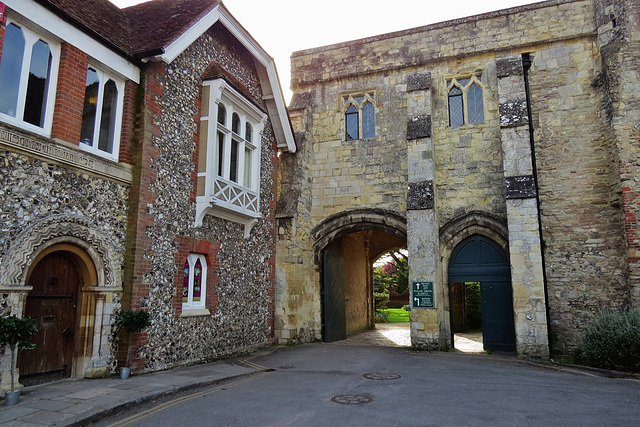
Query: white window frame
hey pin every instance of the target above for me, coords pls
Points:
(103, 78)
(196, 308)
(222, 197)
(31, 37)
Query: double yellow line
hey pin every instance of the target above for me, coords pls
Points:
(139, 416)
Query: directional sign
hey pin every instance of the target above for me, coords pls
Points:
(422, 295)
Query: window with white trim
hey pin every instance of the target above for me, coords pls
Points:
(465, 100)
(28, 78)
(194, 285)
(229, 156)
(102, 114)
(359, 116)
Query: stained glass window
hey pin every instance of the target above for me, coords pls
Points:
(194, 282)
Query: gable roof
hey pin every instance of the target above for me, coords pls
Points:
(163, 29)
(156, 24)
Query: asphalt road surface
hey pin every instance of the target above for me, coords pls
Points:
(333, 385)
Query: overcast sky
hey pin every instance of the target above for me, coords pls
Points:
(285, 26)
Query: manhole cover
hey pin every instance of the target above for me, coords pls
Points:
(382, 376)
(351, 399)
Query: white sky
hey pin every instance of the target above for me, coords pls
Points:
(285, 26)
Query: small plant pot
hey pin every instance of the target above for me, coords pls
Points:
(124, 373)
(11, 398)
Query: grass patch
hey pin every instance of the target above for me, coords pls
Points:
(396, 315)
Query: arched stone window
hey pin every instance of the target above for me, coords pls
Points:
(465, 100)
(359, 116)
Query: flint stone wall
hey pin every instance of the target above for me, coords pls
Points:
(243, 316)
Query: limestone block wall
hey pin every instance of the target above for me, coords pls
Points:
(584, 94)
(579, 186)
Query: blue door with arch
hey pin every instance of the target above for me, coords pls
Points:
(480, 259)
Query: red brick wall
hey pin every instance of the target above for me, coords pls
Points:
(187, 245)
(72, 76)
(128, 123)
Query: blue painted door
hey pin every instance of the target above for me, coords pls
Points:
(479, 259)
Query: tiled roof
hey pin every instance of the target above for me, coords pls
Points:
(97, 17)
(138, 29)
(156, 24)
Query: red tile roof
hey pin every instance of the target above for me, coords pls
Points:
(99, 18)
(135, 30)
(156, 24)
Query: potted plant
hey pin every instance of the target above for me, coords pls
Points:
(132, 321)
(16, 333)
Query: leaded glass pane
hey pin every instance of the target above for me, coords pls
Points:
(90, 107)
(359, 99)
(10, 67)
(233, 166)
(185, 283)
(368, 121)
(456, 114)
(108, 118)
(197, 281)
(222, 114)
(463, 82)
(475, 106)
(351, 125)
(38, 84)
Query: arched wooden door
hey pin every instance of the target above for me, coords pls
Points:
(479, 259)
(53, 304)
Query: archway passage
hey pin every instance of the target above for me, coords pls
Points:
(478, 259)
(348, 306)
(53, 304)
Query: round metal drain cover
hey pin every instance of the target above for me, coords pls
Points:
(382, 376)
(351, 399)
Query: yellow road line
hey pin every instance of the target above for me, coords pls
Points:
(166, 405)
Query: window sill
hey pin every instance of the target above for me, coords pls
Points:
(209, 205)
(195, 312)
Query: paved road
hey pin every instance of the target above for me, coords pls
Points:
(330, 385)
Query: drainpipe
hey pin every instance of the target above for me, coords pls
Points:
(527, 60)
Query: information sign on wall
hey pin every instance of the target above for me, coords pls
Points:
(422, 295)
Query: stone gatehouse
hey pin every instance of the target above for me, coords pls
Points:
(499, 148)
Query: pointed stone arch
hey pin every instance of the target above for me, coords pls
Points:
(342, 223)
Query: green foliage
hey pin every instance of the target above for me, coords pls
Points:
(612, 341)
(17, 334)
(381, 317)
(473, 305)
(397, 315)
(393, 275)
(133, 320)
(381, 299)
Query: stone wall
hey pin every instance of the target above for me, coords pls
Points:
(243, 270)
(583, 223)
